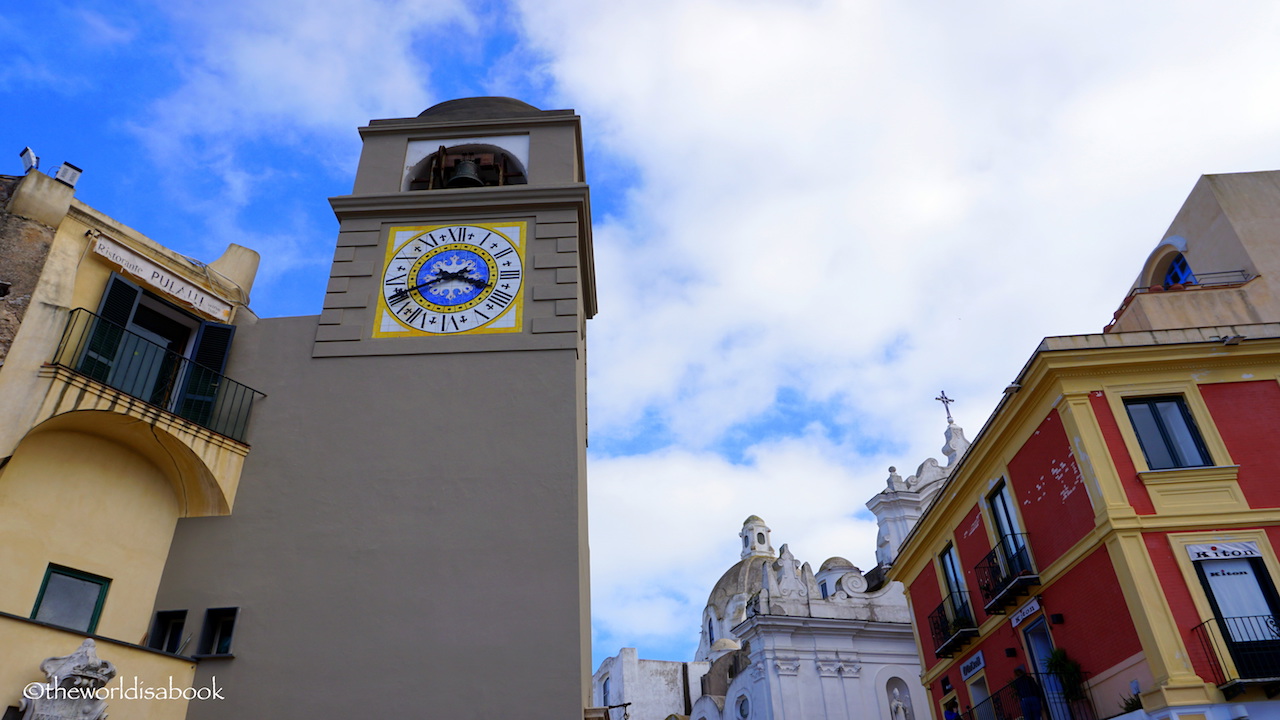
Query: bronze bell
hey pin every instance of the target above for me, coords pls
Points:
(466, 173)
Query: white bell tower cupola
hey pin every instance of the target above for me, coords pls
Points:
(755, 538)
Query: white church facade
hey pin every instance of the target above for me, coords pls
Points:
(780, 641)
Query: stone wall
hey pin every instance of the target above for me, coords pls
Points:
(24, 246)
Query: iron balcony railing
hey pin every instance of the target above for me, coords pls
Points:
(1046, 695)
(1005, 573)
(1241, 649)
(106, 352)
(1211, 279)
(952, 624)
(1223, 279)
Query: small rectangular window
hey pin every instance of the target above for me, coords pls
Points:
(1166, 432)
(166, 632)
(71, 599)
(219, 626)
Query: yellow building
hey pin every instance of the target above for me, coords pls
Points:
(1112, 531)
(117, 422)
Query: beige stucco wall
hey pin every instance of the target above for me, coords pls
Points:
(27, 644)
(1228, 224)
(83, 502)
(1199, 307)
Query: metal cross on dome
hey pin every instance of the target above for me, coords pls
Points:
(946, 403)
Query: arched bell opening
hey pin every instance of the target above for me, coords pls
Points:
(467, 166)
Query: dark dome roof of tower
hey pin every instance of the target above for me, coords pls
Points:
(479, 108)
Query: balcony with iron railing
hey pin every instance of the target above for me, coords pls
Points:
(952, 624)
(1169, 306)
(1006, 573)
(129, 363)
(1241, 651)
(1047, 695)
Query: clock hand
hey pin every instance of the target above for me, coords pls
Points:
(443, 275)
(405, 291)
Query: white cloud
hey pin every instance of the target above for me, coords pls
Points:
(864, 203)
(98, 29)
(258, 78)
(664, 528)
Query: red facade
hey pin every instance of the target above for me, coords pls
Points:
(1247, 415)
(1050, 492)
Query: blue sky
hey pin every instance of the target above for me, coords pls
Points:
(810, 215)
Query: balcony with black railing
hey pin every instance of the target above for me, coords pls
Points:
(129, 363)
(1043, 695)
(1006, 573)
(1241, 651)
(952, 624)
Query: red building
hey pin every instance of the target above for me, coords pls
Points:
(1111, 530)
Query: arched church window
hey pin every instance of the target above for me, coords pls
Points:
(711, 630)
(605, 694)
(1179, 272)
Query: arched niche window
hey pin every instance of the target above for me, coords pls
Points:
(1179, 272)
(464, 166)
(711, 630)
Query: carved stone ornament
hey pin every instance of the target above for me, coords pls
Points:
(789, 583)
(69, 693)
(895, 482)
(828, 667)
(850, 668)
(853, 582)
(787, 666)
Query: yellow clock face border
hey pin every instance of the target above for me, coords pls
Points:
(463, 278)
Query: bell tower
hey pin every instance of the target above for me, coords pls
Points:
(413, 514)
(468, 230)
(466, 243)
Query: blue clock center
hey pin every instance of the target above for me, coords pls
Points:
(453, 277)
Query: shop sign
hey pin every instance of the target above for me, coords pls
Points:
(1025, 611)
(1224, 550)
(972, 665)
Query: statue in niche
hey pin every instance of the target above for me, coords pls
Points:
(899, 708)
(72, 681)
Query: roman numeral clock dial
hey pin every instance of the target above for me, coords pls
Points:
(453, 279)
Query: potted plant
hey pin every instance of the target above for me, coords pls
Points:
(1068, 673)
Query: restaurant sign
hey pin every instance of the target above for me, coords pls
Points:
(163, 280)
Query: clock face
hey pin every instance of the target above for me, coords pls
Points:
(452, 279)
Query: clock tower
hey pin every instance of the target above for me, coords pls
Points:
(410, 534)
(470, 221)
